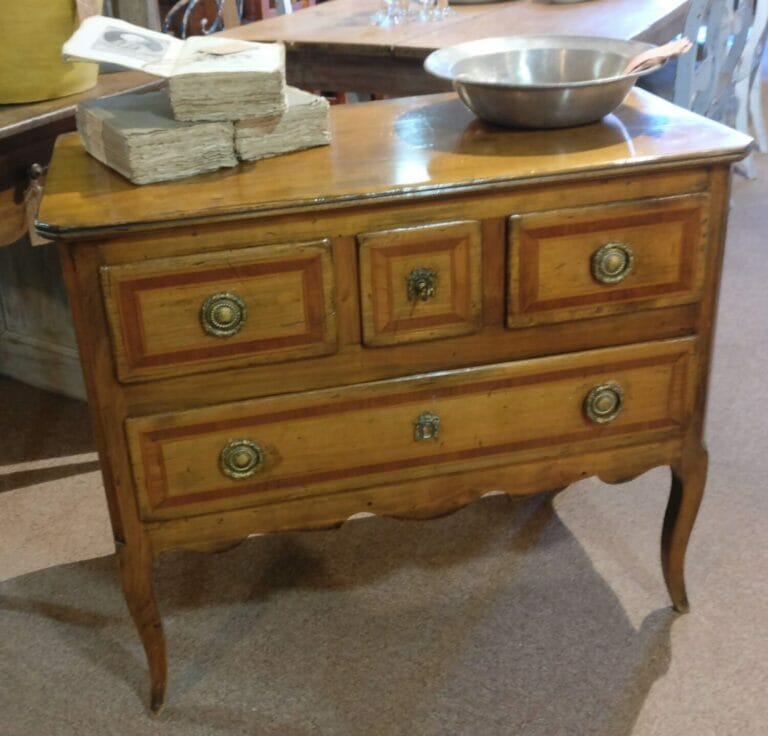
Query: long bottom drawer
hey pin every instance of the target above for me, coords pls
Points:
(271, 449)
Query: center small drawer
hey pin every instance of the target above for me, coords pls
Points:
(280, 448)
(196, 313)
(421, 283)
(595, 261)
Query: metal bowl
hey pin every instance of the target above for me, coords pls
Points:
(539, 81)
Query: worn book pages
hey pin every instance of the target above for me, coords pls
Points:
(304, 124)
(209, 85)
(136, 135)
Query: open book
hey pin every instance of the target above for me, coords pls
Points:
(209, 78)
(116, 42)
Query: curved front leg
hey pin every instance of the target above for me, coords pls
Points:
(135, 563)
(688, 479)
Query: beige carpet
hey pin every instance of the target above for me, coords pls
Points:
(506, 618)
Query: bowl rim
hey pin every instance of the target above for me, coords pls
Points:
(448, 56)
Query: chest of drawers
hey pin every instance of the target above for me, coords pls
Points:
(425, 311)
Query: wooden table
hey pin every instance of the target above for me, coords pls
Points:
(334, 45)
(425, 310)
(37, 342)
(27, 133)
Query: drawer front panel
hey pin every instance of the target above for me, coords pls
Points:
(196, 313)
(420, 283)
(571, 264)
(324, 441)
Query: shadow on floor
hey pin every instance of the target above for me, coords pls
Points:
(60, 426)
(24, 478)
(490, 621)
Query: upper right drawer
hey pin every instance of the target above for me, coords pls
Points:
(594, 261)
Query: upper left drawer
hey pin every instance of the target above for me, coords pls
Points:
(203, 312)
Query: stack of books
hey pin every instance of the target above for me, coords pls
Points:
(304, 124)
(225, 101)
(137, 136)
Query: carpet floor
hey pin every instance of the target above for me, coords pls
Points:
(510, 617)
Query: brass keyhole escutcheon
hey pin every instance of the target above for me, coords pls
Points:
(426, 427)
(241, 459)
(223, 314)
(604, 402)
(421, 284)
(612, 263)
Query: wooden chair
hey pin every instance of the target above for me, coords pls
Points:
(748, 85)
(200, 17)
(705, 75)
(702, 80)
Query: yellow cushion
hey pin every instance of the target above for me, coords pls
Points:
(31, 67)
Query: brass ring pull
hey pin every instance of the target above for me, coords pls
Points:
(612, 263)
(241, 459)
(422, 284)
(223, 314)
(604, 402)
(426, 427)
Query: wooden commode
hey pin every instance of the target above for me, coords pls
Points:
(426, 310)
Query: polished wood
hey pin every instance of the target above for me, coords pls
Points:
(348, 22)
(689, 475)
(326, 441)
(420, 498)
(431, 147)
(355, 430)
(551, 278)
(261, 9)
(135, 567)
(391, 261)
(335, 45)
(154, 309)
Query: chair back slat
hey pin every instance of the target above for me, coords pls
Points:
(706, 74)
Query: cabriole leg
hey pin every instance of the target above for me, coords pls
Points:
(688, 479)
(135, 562)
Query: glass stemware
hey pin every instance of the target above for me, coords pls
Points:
(443, 9)
(397, 12)
(392, 13)
(428, 10)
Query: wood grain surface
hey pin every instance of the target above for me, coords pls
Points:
(154, 309)
(515, 218)
(391, 259)
(336, 46)
(345, 23)
(550, 255)
(426, 146)
(337, 439)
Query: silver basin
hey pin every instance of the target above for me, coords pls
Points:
(539, 81)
